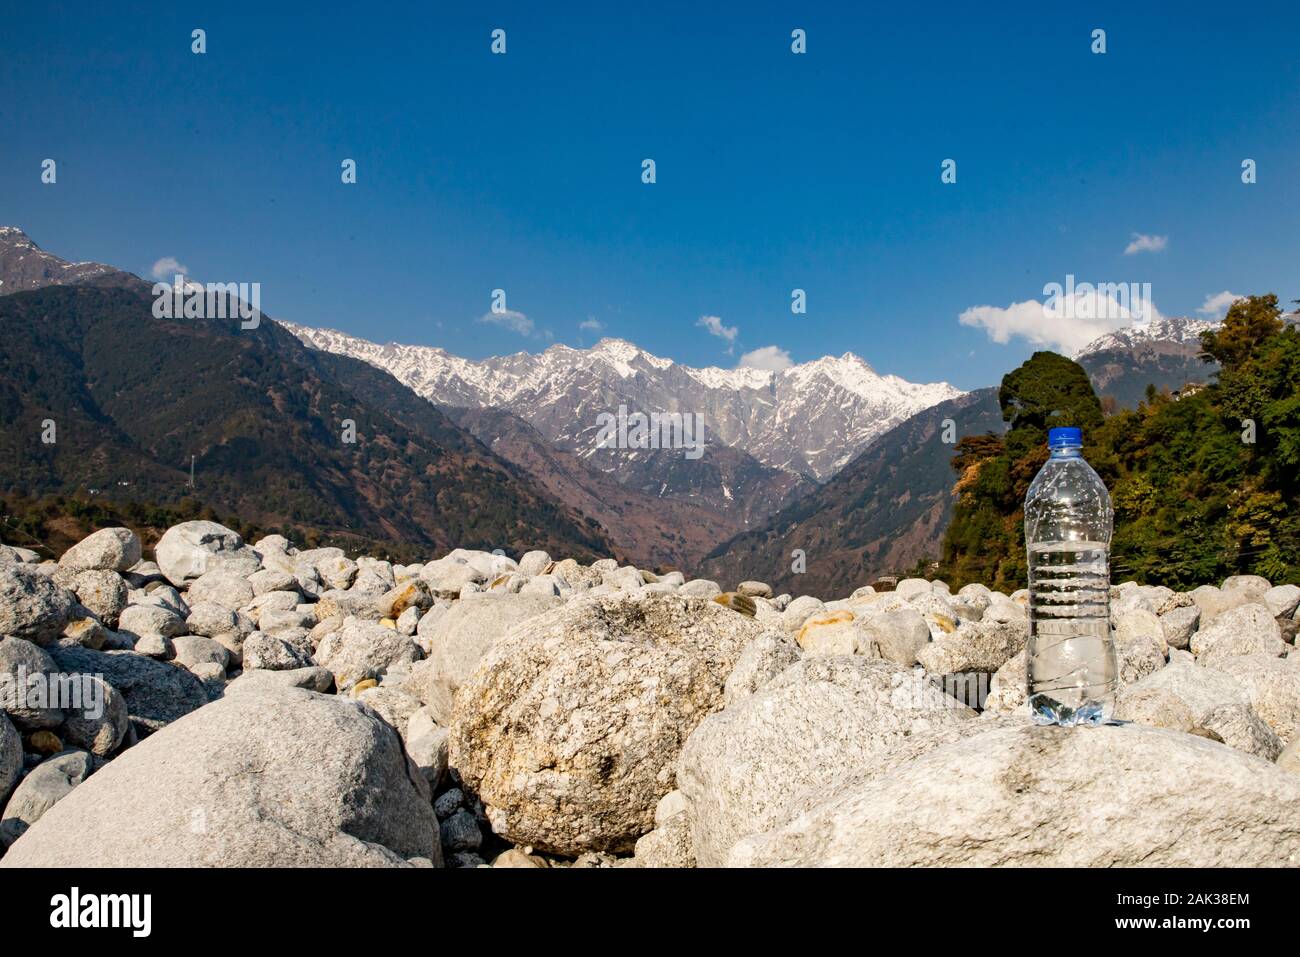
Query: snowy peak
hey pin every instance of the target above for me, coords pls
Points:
(619, 354)
(25, 266)
(1177, 330)
(712, 377)
(14, 235)
(809, 419)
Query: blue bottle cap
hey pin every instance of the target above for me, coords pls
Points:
(1068, 438)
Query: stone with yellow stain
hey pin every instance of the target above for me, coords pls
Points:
(737, 602)
(830, 632)
(44, 742)
(388, 623)
(944, 623)
(86, 632)
(401, 597)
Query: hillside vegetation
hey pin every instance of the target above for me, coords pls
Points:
(1204, 485)
(132, 397)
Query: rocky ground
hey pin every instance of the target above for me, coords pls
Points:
(263, 705)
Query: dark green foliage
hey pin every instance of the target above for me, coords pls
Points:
(52, 524)
(133, 397)
(985, 541)
(1195, 499)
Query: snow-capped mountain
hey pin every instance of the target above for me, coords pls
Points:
(24, 265)
(1167, 330)
(810, 419)
(1165, 353)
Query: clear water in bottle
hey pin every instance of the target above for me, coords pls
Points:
(1072, 672)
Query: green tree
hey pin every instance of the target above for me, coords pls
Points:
(985, 540)
(1247, 325)
(1204, 485)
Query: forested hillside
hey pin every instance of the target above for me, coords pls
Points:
(1204, 485)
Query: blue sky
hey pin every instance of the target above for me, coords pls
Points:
(774, 170)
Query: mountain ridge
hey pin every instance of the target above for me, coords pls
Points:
(1171, 330)
(885, 493)
(883, 512)
(1165, 353)
(132, 396)
(809, 419)
(24, 266)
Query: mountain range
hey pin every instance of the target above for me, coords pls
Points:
(1165, 353)
(867, 482)
(849, 467)
(100, 397)
(883, 512)
(809, 420)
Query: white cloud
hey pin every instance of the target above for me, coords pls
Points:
(509, 319)
(591, 325)
(1142, 243)
(1217, 303)
(716, 328)
(168, 267)
(1063, 324)
(768, 357)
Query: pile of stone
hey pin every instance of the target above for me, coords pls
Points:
(260, 705)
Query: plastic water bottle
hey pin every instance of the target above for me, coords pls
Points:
(1072, 672)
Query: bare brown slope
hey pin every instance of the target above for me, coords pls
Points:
(880, 514)
(134, 396)
(652, 532)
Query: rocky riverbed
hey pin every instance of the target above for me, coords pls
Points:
(253, 705)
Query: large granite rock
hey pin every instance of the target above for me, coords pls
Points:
(979, 646)
(1273, 686)
(32, 606)
(48, 783)
(1200, 689)
(191, 549)
(109, 549)
(24, 668)
(1247, 629)
(103, 592)
(363, 649)
(270, 777)
(808, 730)
(101, 723)
(762, 660)
(570, 728)
(1117, 796)
(459, 638)
(156, 693)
